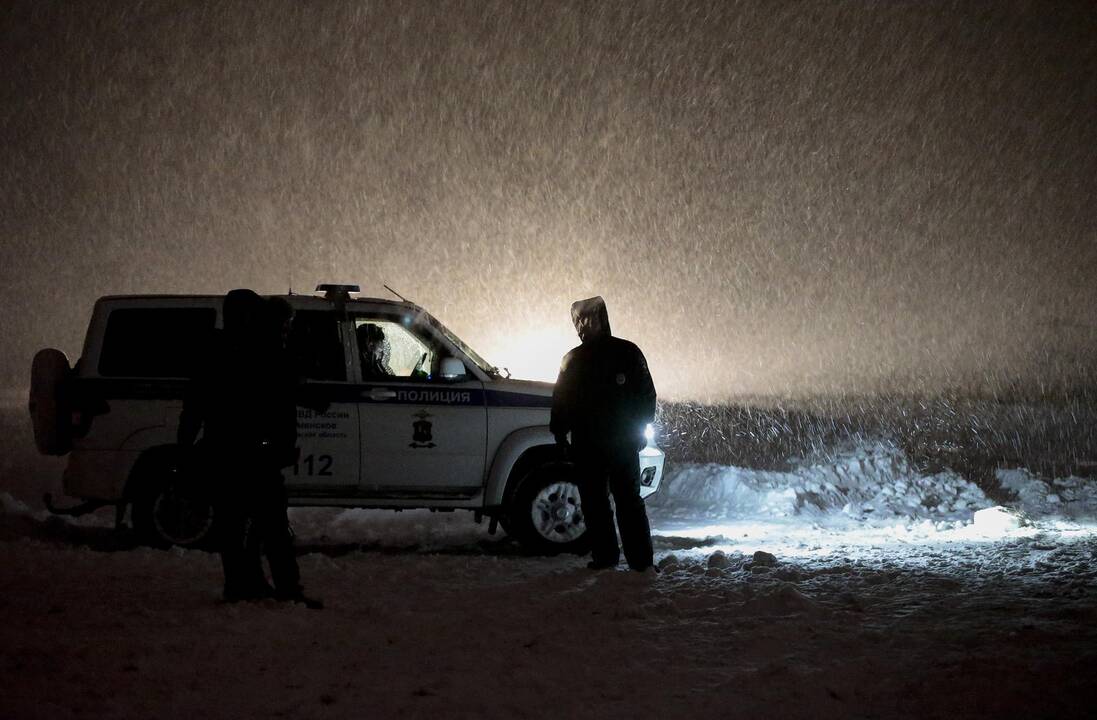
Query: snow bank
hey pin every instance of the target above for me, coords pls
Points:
(1072, 498)
(872, 483)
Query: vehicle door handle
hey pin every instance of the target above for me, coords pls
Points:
(379, 394)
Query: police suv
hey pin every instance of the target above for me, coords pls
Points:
(442, 429)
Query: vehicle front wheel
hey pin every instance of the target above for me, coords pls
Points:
(546, 511)
(170, 511)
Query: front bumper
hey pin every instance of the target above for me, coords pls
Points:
(651, 470)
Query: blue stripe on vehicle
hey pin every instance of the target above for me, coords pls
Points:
(416, 395)
(503, 398)
(433, 396)
(172, 389)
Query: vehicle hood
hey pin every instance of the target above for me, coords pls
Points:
(528, 387)
(522, 393)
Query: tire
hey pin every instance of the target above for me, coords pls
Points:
(545, 513)
(50, 406)
(168, 510)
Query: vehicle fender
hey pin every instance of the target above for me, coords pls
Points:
(108, 474)
(152, 446)
(149, 437)
(510, 450)
(146, 464)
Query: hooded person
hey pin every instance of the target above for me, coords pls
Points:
(603, 399)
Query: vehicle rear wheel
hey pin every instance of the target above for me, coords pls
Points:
(546, 511)
(168, 511)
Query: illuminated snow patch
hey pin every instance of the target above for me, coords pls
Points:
(875, 484)
(998, 520)
(805, 540)
(870, 501)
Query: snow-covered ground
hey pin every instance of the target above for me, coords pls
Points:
(859, 588)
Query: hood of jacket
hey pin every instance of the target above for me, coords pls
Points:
(590, 317)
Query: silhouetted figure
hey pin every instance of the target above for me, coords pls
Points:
(374, 351)
(269, 532)
(604, 397)
(243, 400)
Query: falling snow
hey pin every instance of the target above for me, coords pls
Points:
(856, 243)
(772, 197)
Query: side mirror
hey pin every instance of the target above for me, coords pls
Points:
(453, 369)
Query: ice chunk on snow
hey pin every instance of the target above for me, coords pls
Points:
(764, 559)
(718, 559)
(998, 520)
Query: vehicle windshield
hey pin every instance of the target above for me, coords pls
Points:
(472, 354)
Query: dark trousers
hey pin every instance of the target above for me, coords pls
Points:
(271, 536)
(251, 520)
(614, 471)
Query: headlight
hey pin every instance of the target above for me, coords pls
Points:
(649, 433)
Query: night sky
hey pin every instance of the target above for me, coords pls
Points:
(772, 197)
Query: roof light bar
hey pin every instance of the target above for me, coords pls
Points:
(337, 292)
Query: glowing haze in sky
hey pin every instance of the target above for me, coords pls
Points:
(772, 197)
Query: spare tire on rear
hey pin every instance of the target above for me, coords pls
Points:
(50, 402)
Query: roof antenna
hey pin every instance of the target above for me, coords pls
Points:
(396, 293)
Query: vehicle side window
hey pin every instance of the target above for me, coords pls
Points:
(316, 346)
(389, 350)
(155, 342)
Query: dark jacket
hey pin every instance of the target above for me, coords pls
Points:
(242, 396)
(604, 395)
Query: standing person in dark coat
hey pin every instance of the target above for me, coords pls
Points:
(269, 530)
(220, 401)
(604, 398)
(242, 398)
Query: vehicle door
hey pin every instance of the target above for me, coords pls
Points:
(327, 412)
(421, 435)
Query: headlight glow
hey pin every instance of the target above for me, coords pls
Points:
(649, 433)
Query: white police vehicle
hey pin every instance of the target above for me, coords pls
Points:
(444, 431)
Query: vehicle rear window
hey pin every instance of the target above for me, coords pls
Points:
(316, 345)
(155, 342)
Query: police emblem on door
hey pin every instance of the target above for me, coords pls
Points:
(421, 431)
